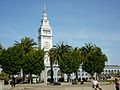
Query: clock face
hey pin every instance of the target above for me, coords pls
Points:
(46, 45)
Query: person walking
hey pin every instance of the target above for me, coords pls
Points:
(13, 79)
(117, 84)
(96, 84)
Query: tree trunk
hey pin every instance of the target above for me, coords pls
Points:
(62, 77)
(30, 78)
(9, 76)
(68, 77)
(51, 66)
(76, 73)
(23, 75)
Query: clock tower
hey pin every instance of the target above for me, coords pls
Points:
(45, 32)
(45, 42)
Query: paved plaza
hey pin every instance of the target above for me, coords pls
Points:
(63, 86)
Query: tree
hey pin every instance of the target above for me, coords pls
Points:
(66, 64)
(53, 58)
(10, 60)
(76, 58)
(61, 49)
(26, 45)
(70, 62)
(93, 59)
(56, 54)
(34, 62)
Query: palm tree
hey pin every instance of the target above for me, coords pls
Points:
(76, 57)
(53, 58)
(85, 50)
(93, 59)
(60, 50)
(26, 45)
(56, 54)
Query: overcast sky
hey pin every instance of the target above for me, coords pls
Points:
(75, 22)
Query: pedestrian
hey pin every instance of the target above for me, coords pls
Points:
(11, 83)
(117, 84)
(96, 84)
(13, 80)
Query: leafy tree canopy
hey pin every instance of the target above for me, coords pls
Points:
(10, 60)
(26, 44)
(34, 62)
(93, 59)
(61, 49)
(70, 62)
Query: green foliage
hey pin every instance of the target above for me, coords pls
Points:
(76, 59)
(53, 58)
(70, 62)
(93, 59)
(34, 62)
(26, 44)
(67, 58)
(10, 60)
(22, 56)
(66, 64)
(61, 49)
(56, 54)
(53, 55)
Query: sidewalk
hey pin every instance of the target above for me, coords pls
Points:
(59, 87)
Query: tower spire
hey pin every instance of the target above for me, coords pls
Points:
(45, 11)
(44, 6)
